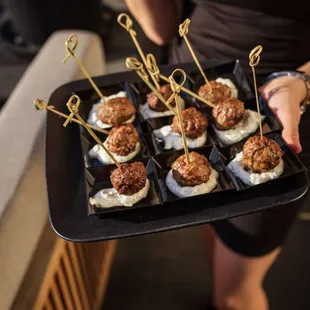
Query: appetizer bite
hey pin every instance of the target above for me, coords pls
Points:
(232, 122)
(130, 185)
(154, 107)
(193, 178)
(123, 143)
(218, 90)
(260, 161)
(115, 110)
(195, 128)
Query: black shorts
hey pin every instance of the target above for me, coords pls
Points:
(259, 233)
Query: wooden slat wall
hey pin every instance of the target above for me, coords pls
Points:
(77, 276)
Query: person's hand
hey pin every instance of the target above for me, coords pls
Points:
(284, 96)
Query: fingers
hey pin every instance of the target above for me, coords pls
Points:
(287, 111)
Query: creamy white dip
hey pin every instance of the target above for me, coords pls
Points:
(174, 140)
(237, 168)
(147, 113)
(230, 84)
(187, 191)
(248, 125)
(109, 197)
(99, 153)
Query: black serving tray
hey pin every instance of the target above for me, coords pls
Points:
(68, 184)
(99, 178)
(156, 123)
(166, 160)
(292, 163)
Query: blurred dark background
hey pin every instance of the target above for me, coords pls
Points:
(26, 24)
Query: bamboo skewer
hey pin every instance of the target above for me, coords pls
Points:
(74, 109)
(40, 104)
(71, 45)
(190, 93)
(254, 58)
(176, 88)
(156, 72)
(183, 30)
(128, 27)
(134, 64)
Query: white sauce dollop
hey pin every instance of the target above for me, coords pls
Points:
(93, 114)
(147, 113)
(174, 140)
(109, 197)
(230, 84)
(187, 191)
(248, 125)
(99, 153)
(237, 168)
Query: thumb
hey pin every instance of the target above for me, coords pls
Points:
(287, 111)
(291, 137)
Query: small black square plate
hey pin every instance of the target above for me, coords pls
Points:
(269, 122)
(292, 163)
(89, 100)
(98, 178)
(166, 160)
(158, 145)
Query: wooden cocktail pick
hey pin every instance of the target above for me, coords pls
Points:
(176, 88)
(153, 68)
(127, 25)
(71, 45)
(135, 64)
(73, 106)
(41, 105)
(183, 30)
(254, 58)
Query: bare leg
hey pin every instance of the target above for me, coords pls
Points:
(238, 279)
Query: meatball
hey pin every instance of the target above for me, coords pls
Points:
(261, 154)
(116, 111)
(155, 104)
(227, 114)
(122, 140)
(194, 122)
(219, 92)
(196, 172)
(129, 179)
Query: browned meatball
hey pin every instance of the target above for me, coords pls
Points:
(155, 104)
(195, 123)
(196, 172)
(227, 114)
(261, 154)
(116, 111)
(129, 179)
(219, 92)
(122, 140)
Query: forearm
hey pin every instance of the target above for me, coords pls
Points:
(159, 19)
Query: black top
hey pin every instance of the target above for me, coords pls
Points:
(230, 31)
(297, 9)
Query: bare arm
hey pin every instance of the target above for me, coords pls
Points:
(159, 19)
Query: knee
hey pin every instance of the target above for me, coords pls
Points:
(228, 302)
(241, 300)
